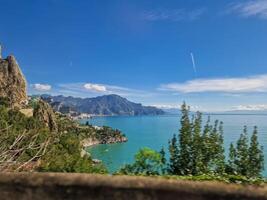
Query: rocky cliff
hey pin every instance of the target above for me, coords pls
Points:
(12, 82)
(45, 114)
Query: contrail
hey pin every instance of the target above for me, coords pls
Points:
(193, 62)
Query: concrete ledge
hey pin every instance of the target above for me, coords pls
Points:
(46, 186)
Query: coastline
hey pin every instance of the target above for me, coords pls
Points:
(89, 142)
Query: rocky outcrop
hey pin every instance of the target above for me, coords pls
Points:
(45, 114)
(110, 140)
(12, 82)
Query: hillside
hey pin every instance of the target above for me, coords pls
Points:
(102, 105)
(35, 138)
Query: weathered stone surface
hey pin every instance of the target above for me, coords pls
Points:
(12, 82)
(45, 114)
(43, 186)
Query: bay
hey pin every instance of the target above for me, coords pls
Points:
(155, 131)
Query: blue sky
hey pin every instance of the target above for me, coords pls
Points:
(212, 54)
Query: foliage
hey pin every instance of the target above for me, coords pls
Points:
(256, 159)
(173, 167)
(246, 159)
(27, 145)
(185, 143)
(147, 162)
(242, 153)
(197, 144)
(231, 167)
(200, 155)
(203, 153)
(197, 152)
(65, 156)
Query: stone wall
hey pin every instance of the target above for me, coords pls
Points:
(42, 186)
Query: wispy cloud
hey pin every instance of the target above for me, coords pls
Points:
(255, 107)
(228, 85)
(172, 15)
(91, 89)
(251, 8)
(41, 87)
(193, 62)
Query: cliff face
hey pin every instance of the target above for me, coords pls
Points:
(12, 82)
(45, 114)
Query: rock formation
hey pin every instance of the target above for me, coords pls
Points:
(45, 114)
(12, 82)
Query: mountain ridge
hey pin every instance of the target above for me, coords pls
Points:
(110, 105)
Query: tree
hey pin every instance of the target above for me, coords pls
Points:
(231, 166)
(220, 157)
(206, 147)
(185, 142)
(163, 160)
(147, 162)
(242, 153)
(173, 167)
(197, 146)
(256, 159)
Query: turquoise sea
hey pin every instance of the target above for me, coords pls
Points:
(155, 131)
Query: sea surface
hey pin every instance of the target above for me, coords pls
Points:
(155, 131)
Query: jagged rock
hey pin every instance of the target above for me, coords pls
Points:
(12, 82)
(45, 114)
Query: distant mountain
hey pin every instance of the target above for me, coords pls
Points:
(102, 105)
(171, 111)
(245, 112)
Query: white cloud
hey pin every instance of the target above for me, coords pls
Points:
(172, 15)
(95, 87)
(228, 85)
(41, 87)
(252, 8)
(91, 89)
(251, 107)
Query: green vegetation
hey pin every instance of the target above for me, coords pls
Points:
(65, 156)
(200, 155)
(147, 162)
(196, 153)
(26, 144)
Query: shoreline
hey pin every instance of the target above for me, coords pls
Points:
(91, 142)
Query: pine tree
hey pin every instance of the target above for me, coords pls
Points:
(242, 154)
(185, 143)
(197, 146)
(220, 157)
(163, 160)
(256, 159)
(173, 167)
(206, 147)
(231, 166)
